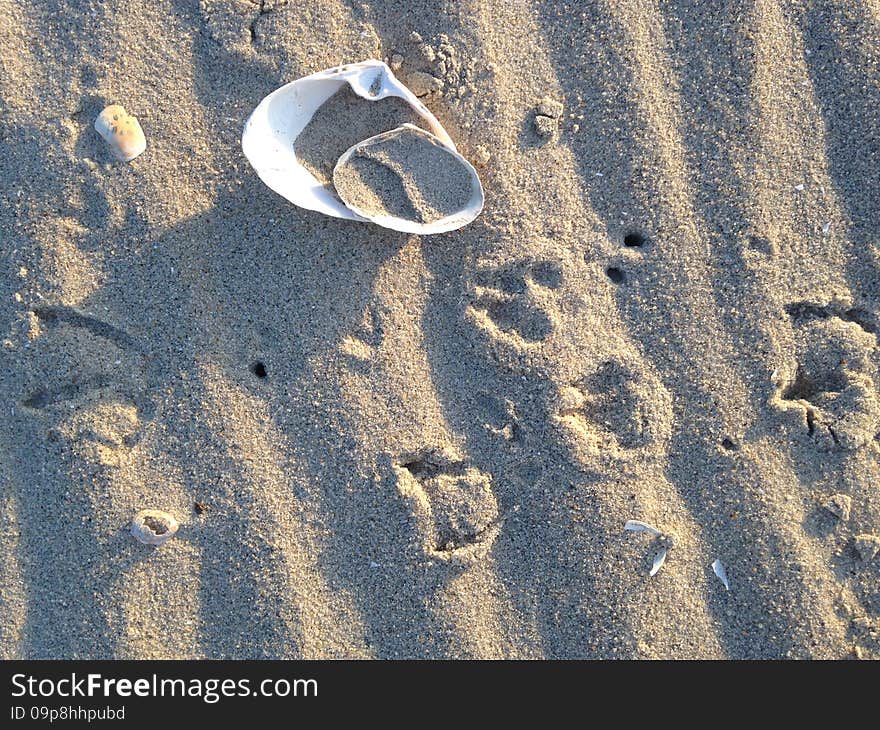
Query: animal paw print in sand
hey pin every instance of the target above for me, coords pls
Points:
(518, 302)
(88, 379)
(829, 384)
(453, 503)
(619, 410)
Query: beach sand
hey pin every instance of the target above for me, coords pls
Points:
(380, 445)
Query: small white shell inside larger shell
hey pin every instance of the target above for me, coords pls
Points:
(408, 180)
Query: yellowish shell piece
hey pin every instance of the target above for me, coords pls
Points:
(122, 132)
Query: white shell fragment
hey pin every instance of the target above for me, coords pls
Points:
(153, 527)
(637, 526)
(274, 126)
(718, 567)
(659, 559)
(122, 132)
(665, 542)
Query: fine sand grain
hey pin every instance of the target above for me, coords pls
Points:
(406, 174)
(380, 445)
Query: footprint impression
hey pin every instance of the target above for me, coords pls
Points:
(829, 382)
(89, 380)
(454, 505)
(359, 347)
(517, 302)
(620, 410)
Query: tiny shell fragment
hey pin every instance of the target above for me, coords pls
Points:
(718, 567)
(665, 541)
(122, 132)
(637, 526)
(659, 559)
(153, 527)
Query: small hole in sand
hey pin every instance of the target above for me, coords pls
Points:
(729, 444)
(615, 274)
(259, 369)
(634, 240)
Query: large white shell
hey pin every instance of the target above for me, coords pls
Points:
(273, 127)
